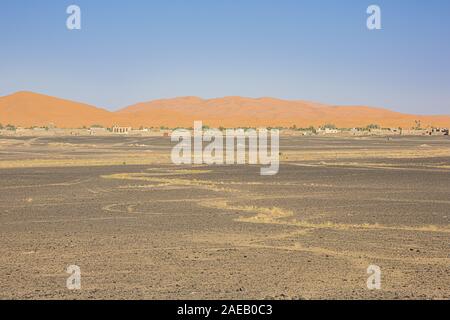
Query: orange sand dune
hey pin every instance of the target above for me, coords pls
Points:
(247, 112)
(31, 109)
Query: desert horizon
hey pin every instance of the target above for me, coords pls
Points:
(28, 109)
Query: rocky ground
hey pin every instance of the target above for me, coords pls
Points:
(141, 228)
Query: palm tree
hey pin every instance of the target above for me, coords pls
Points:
(418, 124)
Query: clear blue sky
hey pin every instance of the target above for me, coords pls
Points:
(319, 50)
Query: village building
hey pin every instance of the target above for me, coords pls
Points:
(356, 132)
(328, 131)
(97, 131)
(379, 132)
(413, 132)
(437, 132)
(121, 130)
(395, 130)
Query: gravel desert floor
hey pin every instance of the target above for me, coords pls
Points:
(140, 227)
